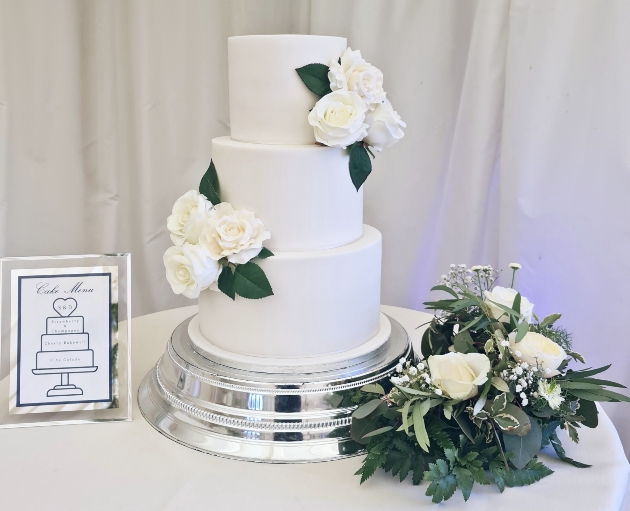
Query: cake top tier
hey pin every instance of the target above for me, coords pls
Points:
(269, 104)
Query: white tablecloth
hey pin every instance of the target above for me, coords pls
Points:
(129, 466)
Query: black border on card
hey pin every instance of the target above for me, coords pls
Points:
(19, 339)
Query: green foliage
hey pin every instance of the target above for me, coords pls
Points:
(209, 185)
(524, 447)
(557, 446)
(453, 443)
(532, 472)
(315, 77)
(226, 282)
(443, 482)
(265, 253)
(557, 334)
(360, 164)
(251, 282)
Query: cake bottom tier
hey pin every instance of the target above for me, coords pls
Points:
(324, 302)
(65, 359)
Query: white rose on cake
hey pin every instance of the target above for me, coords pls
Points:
(538, 350)
(190, 269)
(505, 296)
(190, 213)
(385, 124)
(352, 73)
(235, 234)
(459, 374)
(338, 119)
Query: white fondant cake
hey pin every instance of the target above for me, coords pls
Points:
(324, 301)
(326, 271)
(303, 192)
(268, 102)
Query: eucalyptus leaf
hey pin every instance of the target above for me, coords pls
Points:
(414, 392)
(521, 331)
(366, 409)
(374, 388)
(511, 312)
(378, 431)
(516, 305)
(524, 447)
(550, 320)
(419, 428)
(405, 416)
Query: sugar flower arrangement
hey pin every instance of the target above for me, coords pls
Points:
(215, 245)
(353, 111)
(490, 391)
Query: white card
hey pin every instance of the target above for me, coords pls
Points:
(61, 339)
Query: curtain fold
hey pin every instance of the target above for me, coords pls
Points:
(516, 147)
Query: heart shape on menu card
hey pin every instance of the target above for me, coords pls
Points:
(65, 306)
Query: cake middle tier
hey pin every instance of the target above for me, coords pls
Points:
(302, 193)
(324, 302)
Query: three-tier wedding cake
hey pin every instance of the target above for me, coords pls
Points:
(326, 273)
(285, 331)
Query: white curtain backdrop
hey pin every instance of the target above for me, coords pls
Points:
(517, 146)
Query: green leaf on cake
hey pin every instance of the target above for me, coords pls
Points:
(264, 253)
(209, 185)
(251, 282)
(226, 282)
(315, 77)
(360, 164)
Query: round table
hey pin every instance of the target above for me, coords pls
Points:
(130, 466)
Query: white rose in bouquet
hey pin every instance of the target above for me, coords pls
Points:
(235, 234)
(536, 349)
(352, 73)
(190, 269)
(385, 124)
(338, 119)
(190, 213)
(505, 296)
(459, 374)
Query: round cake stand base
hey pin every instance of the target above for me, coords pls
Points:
(244, 414)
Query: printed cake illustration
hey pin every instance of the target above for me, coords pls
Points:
(65, 348)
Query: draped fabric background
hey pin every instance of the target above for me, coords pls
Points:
(517, 146)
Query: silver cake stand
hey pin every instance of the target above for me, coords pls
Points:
(259, 413)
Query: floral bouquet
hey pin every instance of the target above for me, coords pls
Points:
(489, 393)
(353, 111)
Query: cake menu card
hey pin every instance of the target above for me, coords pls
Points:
(61, 339)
